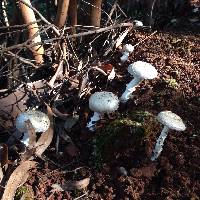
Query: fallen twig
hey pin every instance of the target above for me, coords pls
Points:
(24, 60)
(53, 79)
(145, 38)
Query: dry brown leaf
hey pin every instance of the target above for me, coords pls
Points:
(45, 139)
(12, 105)
(15, 103)
(31, 133)
(107, 68)
(24, 179)
(28, 154)
(76, 185)
(16, 178)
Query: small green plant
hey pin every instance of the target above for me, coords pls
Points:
(25, 192)
(172, 83)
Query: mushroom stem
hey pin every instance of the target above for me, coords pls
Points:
(124, 57)
(25, 139)
(130, 88)
(96, 117)
(159, 143)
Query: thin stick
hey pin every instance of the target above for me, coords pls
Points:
(21, 59)
(121, 10)
(81, 196)
(111, 12)
(145, 38)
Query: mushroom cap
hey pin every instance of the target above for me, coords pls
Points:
(39, 120)
(142, 70)
(129, 48)
(171, 120)
(103, 102)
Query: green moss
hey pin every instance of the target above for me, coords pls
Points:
(172, 83)
(122, 134)
(24, 191)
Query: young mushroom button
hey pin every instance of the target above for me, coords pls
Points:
(127, 49)
(170, 121)
(139, 70)
(39, 120)
(100, 103)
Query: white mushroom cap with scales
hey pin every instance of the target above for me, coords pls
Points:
(39, 120)
(103, 102)
(171, 120)
(100, 103)
(140, 70)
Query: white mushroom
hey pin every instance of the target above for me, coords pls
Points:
(127, 49)
(100, 103)
(39, 120)
(139, 70)
(138, 23)
(170, 121)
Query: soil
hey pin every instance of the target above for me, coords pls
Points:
(116, 156)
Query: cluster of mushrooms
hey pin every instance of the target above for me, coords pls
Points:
(106, 103)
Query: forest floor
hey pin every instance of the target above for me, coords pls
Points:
(122, 169)
(116, 157)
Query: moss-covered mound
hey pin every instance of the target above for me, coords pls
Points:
(128, 136)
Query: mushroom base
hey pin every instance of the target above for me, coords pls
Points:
(91, 124)
(25, 139)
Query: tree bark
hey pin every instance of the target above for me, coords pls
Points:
(73, 12)
(28, 17)
(95, 16)
(61, 13)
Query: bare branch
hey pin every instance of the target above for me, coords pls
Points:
(99, 30)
